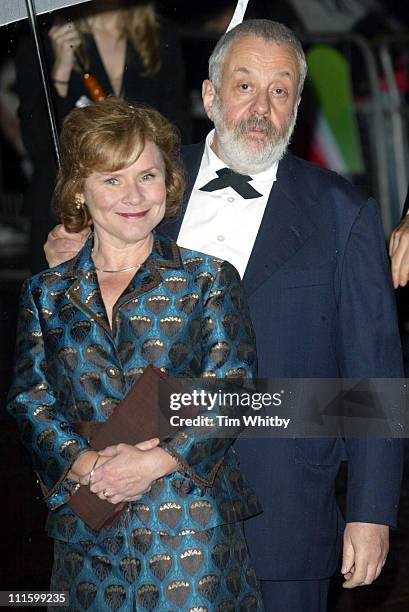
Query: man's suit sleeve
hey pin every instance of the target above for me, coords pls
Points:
(405, 206)
(368, 345)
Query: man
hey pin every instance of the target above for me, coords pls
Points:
(310, 250)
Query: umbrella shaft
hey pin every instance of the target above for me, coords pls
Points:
(43, 71)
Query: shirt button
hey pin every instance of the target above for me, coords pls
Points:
(220, 238)
(230, 199)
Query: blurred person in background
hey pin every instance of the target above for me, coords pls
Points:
(9, 125)
(128, 51)
(15, 167)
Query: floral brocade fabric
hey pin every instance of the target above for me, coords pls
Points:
(185, 313)
(196, 571)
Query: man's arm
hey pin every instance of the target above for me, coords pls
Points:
(62, 246)
(399, 253)
(368, 346)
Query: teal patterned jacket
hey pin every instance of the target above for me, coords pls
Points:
(183, 312)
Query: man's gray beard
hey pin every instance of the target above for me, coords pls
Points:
(239, 157)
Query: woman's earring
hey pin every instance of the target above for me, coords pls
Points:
(78, 203)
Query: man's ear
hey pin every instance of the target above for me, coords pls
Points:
(208, 94)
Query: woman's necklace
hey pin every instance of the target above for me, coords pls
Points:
(128, 269)
(120, 269)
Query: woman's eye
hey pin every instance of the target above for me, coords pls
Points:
(279, 91)
(111, 181)
(148, 177)
(244, 86)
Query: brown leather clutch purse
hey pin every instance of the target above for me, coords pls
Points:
(141, 415)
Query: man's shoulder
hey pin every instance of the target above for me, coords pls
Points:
(311, 185)
(187, 149)
(192, 152)
(320, 179)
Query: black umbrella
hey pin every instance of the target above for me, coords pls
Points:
(14, 10)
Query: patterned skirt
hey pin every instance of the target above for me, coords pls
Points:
(194, 571)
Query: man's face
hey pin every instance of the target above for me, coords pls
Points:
(254, 111)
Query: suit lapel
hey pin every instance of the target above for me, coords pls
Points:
(284, 228)
(191, 158)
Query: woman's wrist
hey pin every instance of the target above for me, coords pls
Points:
(61, 73)
(164, 463)
(83, 465)
(61, 88)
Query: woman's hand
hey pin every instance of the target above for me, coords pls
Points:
(129, 471)
(65, 39)
(81, 468)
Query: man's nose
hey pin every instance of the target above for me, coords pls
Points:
(261, 103)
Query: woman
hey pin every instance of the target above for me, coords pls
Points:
(132, 53)
(87, 329)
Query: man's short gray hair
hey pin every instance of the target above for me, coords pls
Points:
(270, 31)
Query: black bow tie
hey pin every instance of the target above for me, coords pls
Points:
(229, 178)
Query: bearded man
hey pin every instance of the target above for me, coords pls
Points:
(310, 250)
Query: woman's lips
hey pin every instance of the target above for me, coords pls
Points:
(139, 215)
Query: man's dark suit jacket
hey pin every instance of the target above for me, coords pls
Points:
(405, 206)
(321, 300)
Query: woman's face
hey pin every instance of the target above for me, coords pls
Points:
(127, 204)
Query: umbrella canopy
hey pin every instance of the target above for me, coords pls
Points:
(14, 10)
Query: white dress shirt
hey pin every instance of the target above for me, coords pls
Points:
(223, 223)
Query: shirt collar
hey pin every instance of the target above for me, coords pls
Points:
(211, 162)
(165, 254)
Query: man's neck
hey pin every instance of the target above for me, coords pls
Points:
(214, 145)
(241, 169)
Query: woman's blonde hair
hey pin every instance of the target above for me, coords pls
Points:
(106, 137)
(140, 26)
